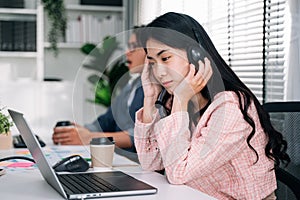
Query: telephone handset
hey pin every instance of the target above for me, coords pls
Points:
(195, 53)
(161, 102)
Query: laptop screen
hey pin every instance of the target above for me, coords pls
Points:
(122, 183)
(36, 151)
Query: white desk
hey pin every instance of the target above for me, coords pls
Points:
(30, 185)
(43, 104)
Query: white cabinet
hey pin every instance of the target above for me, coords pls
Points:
(18, 39)
(86, 23)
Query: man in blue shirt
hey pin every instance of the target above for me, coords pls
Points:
(118, 121)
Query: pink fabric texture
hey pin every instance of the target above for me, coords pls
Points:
(214, 156)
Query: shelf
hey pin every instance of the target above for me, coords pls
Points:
(18, 54)
(65, 45)
(94, 8)
(18, 14)
(84, 20)
(18, 11)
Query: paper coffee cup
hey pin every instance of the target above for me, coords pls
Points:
(102, 152)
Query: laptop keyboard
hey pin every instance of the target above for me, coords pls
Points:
(85, 183)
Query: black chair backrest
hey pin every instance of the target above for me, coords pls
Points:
(285, 117)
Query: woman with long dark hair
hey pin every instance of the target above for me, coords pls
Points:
(210, 131)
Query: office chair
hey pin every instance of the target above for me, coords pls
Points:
(285, 117)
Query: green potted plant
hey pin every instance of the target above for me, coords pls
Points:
(56, 12)
(5, 134)
(105, 77)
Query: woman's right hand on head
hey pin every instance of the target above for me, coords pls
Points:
(150, 85)
(151, 91)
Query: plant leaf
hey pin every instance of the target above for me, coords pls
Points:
(103, 93)
(118, 70)
(5, 123)
(98, 56)
(87, 48)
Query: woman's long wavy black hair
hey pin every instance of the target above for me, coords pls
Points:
(161, 29)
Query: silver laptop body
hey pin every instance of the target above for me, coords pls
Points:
(126, 184)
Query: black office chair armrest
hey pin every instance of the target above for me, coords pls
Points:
(288, 179)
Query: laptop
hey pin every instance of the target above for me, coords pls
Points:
(80, 185)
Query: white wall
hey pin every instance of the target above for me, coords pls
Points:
(65, 65)
(45, 103)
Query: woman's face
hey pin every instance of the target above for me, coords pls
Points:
(135, 55)
(169, 65)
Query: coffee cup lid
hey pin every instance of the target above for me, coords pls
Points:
(103, 141)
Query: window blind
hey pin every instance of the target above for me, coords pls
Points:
(274, 50)
(249, 35)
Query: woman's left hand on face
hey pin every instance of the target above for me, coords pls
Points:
(194, 82)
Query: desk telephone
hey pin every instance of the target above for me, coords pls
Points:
(18, 141)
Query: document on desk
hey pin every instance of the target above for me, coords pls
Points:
(55, 154)
(17, 165)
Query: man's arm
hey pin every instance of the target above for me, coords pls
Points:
(78, 135)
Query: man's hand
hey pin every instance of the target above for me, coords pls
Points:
(71, 135)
